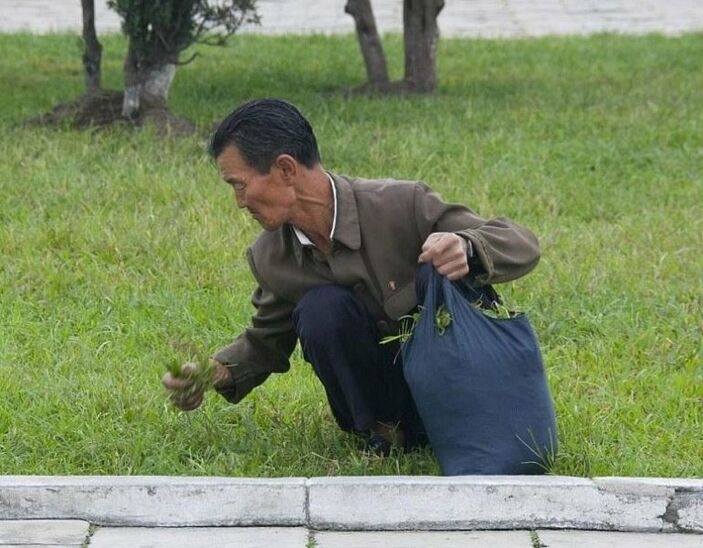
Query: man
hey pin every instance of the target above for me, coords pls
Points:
(336, 267)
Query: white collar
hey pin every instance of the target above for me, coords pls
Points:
(302, 237)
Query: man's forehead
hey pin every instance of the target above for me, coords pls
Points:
(230, 161)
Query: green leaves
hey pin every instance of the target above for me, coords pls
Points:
(497, 311)
(167, 27)
(442, 320)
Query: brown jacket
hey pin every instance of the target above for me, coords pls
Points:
(381, 226)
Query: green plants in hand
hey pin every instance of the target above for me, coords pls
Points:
(200, 374)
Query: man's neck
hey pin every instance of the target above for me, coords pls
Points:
(314, 211)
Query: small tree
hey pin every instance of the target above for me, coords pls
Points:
(420, 38)
(159, 31)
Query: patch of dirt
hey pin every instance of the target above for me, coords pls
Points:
(104, 109)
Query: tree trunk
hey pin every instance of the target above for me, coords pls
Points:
(92, 54)
(130, 103)
(146, 86)
(421, 35)
(369, 41)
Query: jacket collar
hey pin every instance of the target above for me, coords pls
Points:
(347, 231)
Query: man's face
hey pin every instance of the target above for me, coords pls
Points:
(268, 197)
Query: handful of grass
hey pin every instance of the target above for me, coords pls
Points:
(496, 310)
(202, 376)
(442, 320)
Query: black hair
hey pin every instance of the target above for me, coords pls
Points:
(264, 128)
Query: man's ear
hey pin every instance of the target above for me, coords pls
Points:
(287, 165)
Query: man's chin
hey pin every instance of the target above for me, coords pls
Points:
(268, 227)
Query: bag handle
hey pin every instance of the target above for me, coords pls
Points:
(439, 287)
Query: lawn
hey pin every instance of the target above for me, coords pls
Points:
(122, 252)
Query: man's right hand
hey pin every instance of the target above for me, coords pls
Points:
(182, 390)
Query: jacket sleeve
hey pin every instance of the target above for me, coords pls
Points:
(261, 349)
(503, 249)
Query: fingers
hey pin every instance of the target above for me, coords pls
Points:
(454, 270)
(222, 377)
(447, 252)
(182, 381)
(181, 388)
(187, 401)
(433, 245)
(175, 383)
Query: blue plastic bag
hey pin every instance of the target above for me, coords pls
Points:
(479, 386)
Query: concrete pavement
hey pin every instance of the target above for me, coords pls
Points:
(74, 533)
(468, 18)
(337, 512)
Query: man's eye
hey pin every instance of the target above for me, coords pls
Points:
(238, 187)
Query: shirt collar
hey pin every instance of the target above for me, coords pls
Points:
(302, 237)
(345, 226)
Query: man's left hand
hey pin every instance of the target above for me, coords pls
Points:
(447, 252)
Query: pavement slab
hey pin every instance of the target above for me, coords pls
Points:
(594, 539)
(43, 533)
(423, 539)
(200, 537)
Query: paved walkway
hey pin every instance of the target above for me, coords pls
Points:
(73, 533)
(473, 18)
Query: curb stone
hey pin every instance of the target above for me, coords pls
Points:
(502, 502)
(362, 503)
(684, 510)
(155, 500)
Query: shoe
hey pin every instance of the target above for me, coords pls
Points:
(378, 445)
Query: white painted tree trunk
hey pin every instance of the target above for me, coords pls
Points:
(148, 89)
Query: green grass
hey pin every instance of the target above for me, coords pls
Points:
(120, 250)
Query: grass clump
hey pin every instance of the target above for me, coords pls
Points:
(200, 374)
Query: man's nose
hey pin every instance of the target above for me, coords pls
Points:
(240, 199)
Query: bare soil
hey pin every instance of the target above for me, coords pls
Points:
(104, 109)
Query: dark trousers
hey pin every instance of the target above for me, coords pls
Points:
(363, 379)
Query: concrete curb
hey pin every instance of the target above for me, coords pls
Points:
(155, 500)
(363, 503)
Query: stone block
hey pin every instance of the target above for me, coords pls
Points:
(479, 502)
(43, 532)
(684, 510)
(589, 539)
(423, 539)
(200, 537)
(155, 501)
